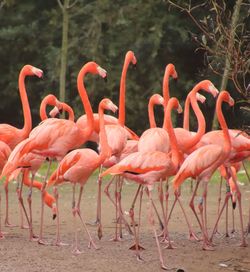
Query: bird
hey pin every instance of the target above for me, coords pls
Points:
(202, 163)
(53, 138)
(129, 58)
(78, 165)
(146, 168)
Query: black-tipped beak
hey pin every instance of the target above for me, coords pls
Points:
(135, 65)
(106, 79)
(234, 205)
(54, 216)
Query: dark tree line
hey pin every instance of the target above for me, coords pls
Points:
(103, 30)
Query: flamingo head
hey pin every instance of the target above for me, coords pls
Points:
(201, 98)
(227, 98)
(131, 57)
(170, 69)
(32, 71)
(157, 99)
(107, 104)
(207, 86)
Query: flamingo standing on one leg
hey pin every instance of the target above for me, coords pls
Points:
(78, 165)
(53, 138)
(202, 163)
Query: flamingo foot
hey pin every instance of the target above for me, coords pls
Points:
(24, 227)
(139, 258)
(243, 244)
(133, 247)
(99, 232)
(76, 251)
(42, 242)
(164, 267)
(91, 243)
(208, 247)
(59, 243)
(193, 237)
(93, 223)
(116, 239)
(1, 236)
(9, 225)
(170, 246)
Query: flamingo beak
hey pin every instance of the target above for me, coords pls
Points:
(231, 101)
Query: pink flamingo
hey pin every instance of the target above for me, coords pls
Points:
(78, 165)
(148, 167)
(109, 120)
(204, 161)
(53, 138)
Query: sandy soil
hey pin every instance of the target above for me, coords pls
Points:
(18, 254)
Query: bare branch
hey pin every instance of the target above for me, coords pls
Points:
(60, 4)
(72, 5)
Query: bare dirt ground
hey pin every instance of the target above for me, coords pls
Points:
(18, 254)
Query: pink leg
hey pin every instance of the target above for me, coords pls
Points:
(243, 239)
(191, 203)
(152, 223)
(227, 234)
(58, 241)
(40, 239)
(76, 250)
(219, 200)
(219, 216)
(136, 246)
(6, 221)
(22, 226)
(91, 241)
(1, 233)
(116, 238)
(233, 228)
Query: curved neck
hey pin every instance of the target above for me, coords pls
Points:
(105, 149)
(85, 100)
(121, 118)
(176, 156)
(201, 121)
(165, 87)
(151, 115)
(70, 111)
(223, 125)
(47, 100)
(186, 113)
(25, 105)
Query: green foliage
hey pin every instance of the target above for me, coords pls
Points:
(30, 32)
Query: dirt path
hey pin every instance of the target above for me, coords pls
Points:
(18, 254)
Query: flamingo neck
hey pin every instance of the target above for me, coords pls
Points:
(186, 113)
(121, 118)
(85, 101)
(201, 121)
(105, 149)
(70, 112)
(223, 125)
(176, 156)
(165, 87)
(47, 100)
(151, 115)
(25, 105)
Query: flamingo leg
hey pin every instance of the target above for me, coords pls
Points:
(40, 239)
(75, 250)
(243, 239)
(227, 233)
(248, 225)
(20, 199)
(152, 223)
(120, 183)
(58, 241)
(219, 200)
(6, 188)
(228, 195)
(91, 241)
(99, 206)
(233, 228)
(136, 246)
(115, 239)
(192, 235)
(191, 203)
(29, 200)
(1, 233)
(22, 226)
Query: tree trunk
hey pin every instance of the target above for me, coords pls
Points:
(64, 49)
(227, 69)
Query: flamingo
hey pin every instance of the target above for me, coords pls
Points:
(109, 120)
(53, 138)
(148, 167)
(47, 100)
(78, 165)
(202, 163)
